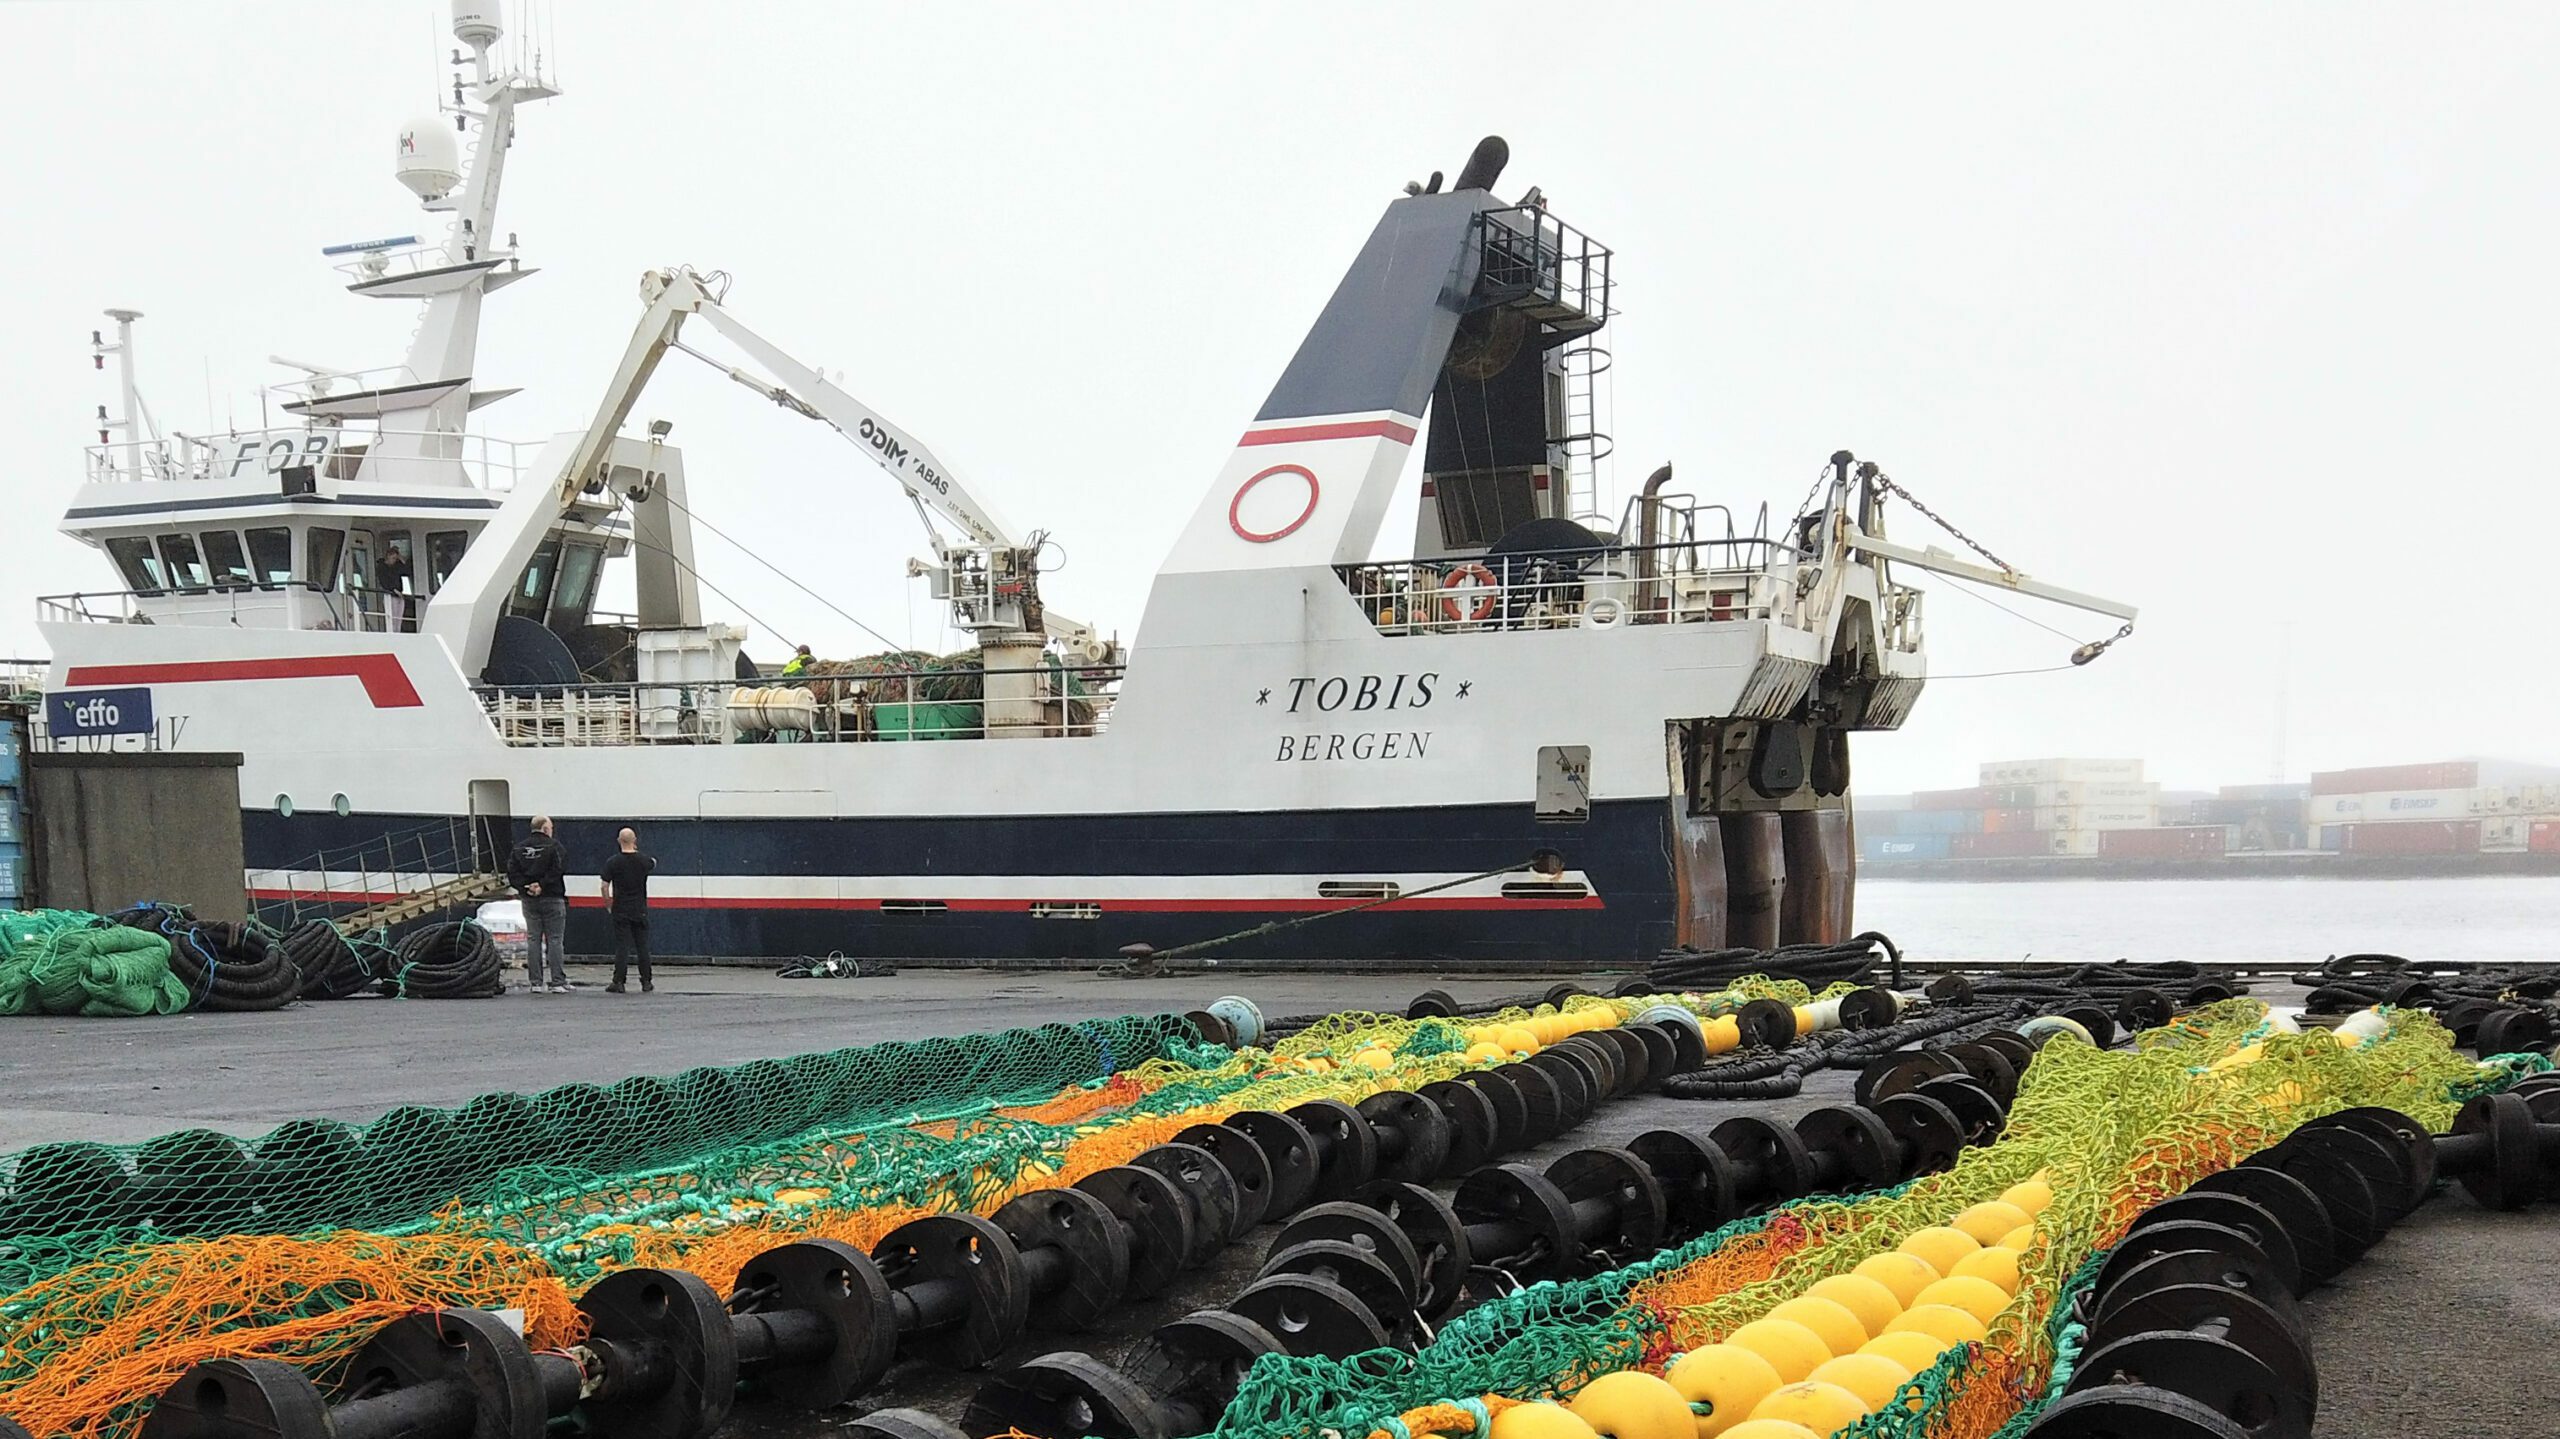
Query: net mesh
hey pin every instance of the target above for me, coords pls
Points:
(2112, 1131)
(121, 1266)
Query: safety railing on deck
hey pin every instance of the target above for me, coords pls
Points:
(822, 707)
(396, 457)
(1691, 582)
(456, 858)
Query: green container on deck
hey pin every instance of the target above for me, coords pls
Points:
(926, 721)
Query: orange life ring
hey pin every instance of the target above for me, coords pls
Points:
(1484, 602)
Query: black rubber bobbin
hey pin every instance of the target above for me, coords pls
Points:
(1075, 1254)
(2243, 1216)
(2355, 1222)
(1697, 1178)
(1475, 1127)
(1345, 1147)
(1245, 1163)
(956, 1286)
(1311, 1316)
(1770, 1164)
(1205, 1186)
(2211, 1308)
(2301, 1212)
(1153, 1218)
(1360, 1226)
(1288, 1149)
(1430, 1224)
(1412, 1135)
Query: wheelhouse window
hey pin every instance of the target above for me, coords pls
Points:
(532, 598)
(186, 567)
(138, 563)
(575, 594)
(223, 555)
(320, 561)
(444, 553)
(271, 556)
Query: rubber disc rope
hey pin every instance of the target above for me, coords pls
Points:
(122, 1266)
(1958, 1285)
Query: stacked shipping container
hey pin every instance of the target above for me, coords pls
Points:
(2104, 808)
(2448, 807)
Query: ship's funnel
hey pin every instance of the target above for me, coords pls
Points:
(1485, 165)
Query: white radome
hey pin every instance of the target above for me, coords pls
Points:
(429, 161)
(475, 23)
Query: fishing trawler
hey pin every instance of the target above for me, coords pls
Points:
(1542, 734)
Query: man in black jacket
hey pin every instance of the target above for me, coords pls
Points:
(535, 869)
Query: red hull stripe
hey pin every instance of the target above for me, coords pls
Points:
(1008, 906)
(385, 682)
(1394, 430)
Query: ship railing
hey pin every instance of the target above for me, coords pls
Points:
(332, 882)
(1538, 264)
(824, 707)
(21, 677)
(117, 607)
(408, 457)
(1693, 581)
(418, 260)
(1903, 631)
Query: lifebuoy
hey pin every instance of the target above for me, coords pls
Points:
(1604, 613)
(1484, 600)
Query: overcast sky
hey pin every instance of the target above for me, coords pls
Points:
(2246, 314)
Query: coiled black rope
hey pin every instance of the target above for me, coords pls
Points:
(457, 960)
(1816, 966)
(2104, 982)
(225, 967)
(334, 966)
(2347, 982)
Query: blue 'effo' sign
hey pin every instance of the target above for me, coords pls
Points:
(96, 712)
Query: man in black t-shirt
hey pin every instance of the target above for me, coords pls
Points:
(626, 893)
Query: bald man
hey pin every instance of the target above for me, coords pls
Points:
(626, 893)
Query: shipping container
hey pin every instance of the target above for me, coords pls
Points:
(9, 817)
(2334, 808)
(2417, 804)
(2098, 816)
(2077, 843)
(1951, 799)
(1939, 821)
(2447, 774)
(1901, 848)
(2333, 837)
(2015, 845)
(2265, 793)
(2008, 821)
(2545, 838)
(2431, 836)
(2507, 832)
(1867, 804)
(2200, 841)
(2011, 796)
(2055, 771)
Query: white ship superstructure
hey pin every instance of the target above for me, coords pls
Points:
(1540, 735)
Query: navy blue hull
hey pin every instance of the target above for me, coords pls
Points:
(1624, 849)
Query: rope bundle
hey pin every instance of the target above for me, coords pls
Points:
(333, 966)
(1816, 966)
(227, 967)
(449, 961)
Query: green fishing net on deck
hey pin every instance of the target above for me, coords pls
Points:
(66, 963)
(575, 1150)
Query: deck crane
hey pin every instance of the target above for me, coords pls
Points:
(991, 579)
